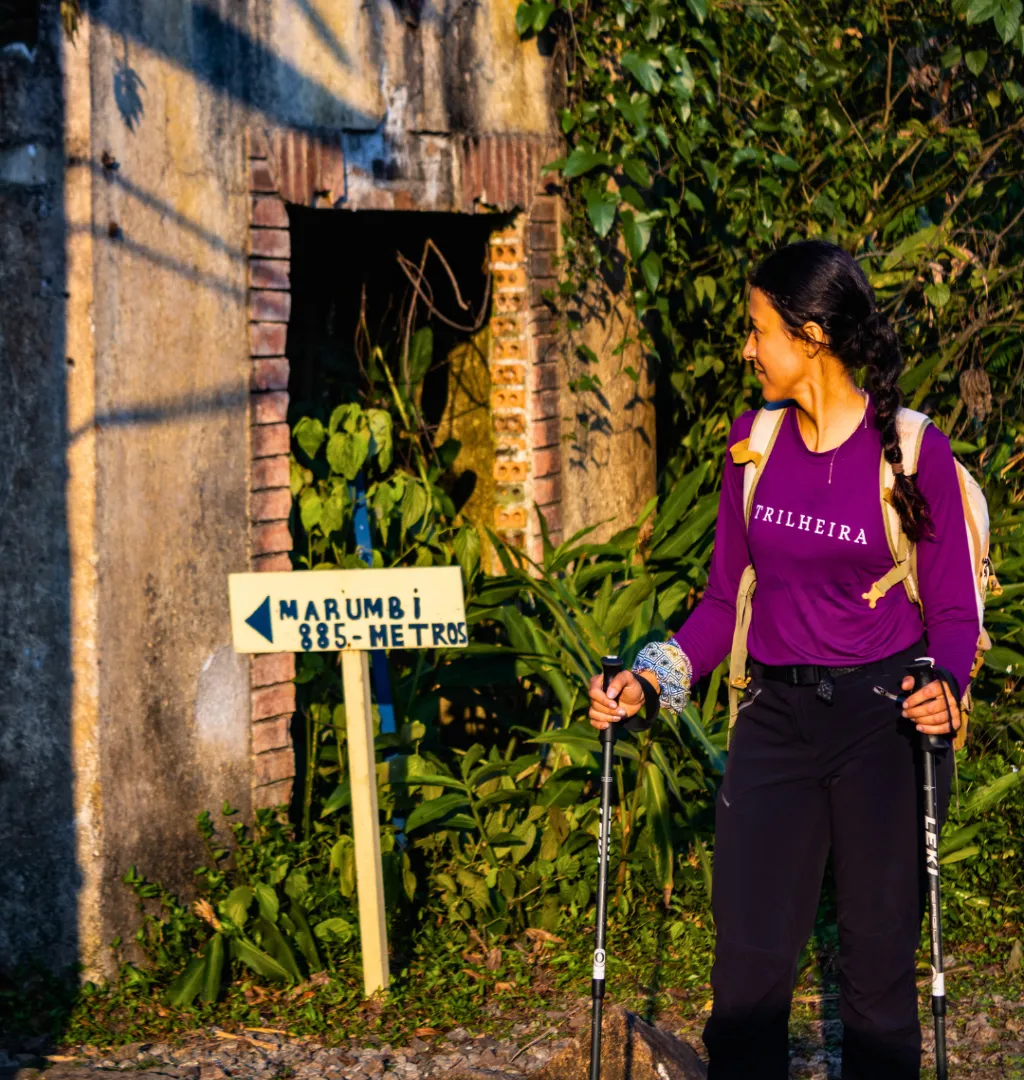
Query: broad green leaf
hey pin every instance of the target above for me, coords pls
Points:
(309, 434)
(581, 161)
(257, 960)
(434, 809)
(601, 206)
(1004, 659)
(236, 906)
(659, 820)
(636, 231)
(213, 969)
(347, 452)
(976, 61)
(336, 929)
(182, 992)
(938, 294)
(380, 435)
(652, 270)
(266, 897)
(699, 9)
(421, 353)
(467, 551)
(620, 614)
(304, 938)
(310, 509)
(643, 66)
(637, 171)
(984, 798)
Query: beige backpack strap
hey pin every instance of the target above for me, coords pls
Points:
(911, 427)
(738, 678)
(755, 451)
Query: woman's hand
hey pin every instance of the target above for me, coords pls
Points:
(625, 698)
(927, 708)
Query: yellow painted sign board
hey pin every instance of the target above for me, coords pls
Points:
(353, 611)
(331, 610)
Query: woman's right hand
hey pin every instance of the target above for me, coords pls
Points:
(624, 698)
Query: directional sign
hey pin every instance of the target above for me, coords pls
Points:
(353, 611)
(330, 610)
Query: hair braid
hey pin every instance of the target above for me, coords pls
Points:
(880, 352)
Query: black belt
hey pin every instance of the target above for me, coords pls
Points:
(804, 675)
(799, 674)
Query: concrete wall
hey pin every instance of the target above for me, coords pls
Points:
(37, 840)
(124, 343)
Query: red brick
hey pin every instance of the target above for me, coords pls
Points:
(257, 143)
(543, 320)
(269, 374)
(547, 491)
(270, 472)
(543, 236)
(273, 766)
(273, 701)
(538, 287)
(270, 273)
(544, 433)
(272, 795)
(544, 377)
(270, 243)
(542, 264)
(273, 504)
(269, 668)
(270, 540)
(270, 408)
(269, 211)
(545, 348)
(268, 306)
(545, 208)
(553, 517)
(547, 462)
(269, 440)
(545, 405)
(261, 177)
(271, 564)
(271, 735)
(267, 339)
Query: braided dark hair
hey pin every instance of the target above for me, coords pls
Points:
(814, 281)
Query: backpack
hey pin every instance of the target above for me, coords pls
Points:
(753, 453)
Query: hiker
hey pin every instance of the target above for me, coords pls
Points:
(818, 760)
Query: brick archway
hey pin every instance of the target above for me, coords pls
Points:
(497, 172)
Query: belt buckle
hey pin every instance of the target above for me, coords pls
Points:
(794, 674)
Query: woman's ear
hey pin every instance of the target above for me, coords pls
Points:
(814, 338)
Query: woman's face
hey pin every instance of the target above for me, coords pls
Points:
(780, 360)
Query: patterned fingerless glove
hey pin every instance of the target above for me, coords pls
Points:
(674, 671)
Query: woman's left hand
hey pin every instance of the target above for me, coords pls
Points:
(927, 709)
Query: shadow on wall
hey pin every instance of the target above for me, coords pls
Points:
(40, 877)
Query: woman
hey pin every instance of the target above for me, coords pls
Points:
(807, 775)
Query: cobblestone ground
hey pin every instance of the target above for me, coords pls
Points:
(983, 1046)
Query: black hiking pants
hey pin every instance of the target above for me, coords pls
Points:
(803, 778)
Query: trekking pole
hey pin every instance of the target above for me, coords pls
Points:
(933, 746)
(610, 667)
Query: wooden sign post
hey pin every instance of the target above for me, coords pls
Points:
(353, 611)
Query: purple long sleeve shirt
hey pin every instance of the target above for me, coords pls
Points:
(817, 541)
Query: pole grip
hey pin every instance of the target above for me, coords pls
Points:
(610, 667)
(923, 673)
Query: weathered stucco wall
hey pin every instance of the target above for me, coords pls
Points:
(124, 343)
(170, 213)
